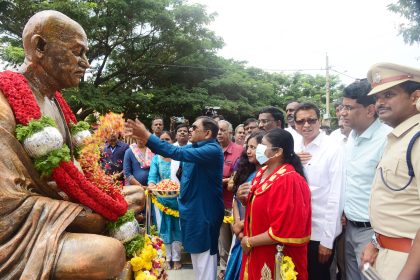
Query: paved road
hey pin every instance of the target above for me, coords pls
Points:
(186, 273)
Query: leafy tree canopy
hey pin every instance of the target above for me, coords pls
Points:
(410, 10)
(157, 57)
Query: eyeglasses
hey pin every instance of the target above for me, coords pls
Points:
(264, 121)
(309, 121)
(347, 108)
(195, 128)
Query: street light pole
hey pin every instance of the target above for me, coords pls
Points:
(327, 91)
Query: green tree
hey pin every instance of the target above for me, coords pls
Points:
(132, 42)
(410, 10)
(157, 57)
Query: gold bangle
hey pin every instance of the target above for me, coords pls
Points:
(248, 245)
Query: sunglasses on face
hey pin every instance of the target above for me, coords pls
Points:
(303, 121)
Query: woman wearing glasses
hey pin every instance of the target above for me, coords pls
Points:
(278, 209)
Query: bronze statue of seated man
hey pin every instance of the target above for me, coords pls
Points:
(42, 235)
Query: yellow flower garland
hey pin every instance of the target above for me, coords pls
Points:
(163, 208)
(288, 269)
(175, 213)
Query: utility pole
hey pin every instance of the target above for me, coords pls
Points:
(327, 92)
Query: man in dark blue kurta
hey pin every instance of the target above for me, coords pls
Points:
(200, 201)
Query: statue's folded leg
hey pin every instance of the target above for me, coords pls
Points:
(89, 256)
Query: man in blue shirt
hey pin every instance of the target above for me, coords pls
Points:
(364, 149)
(113, 155)
(200, 201)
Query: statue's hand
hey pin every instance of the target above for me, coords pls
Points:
(134, 195)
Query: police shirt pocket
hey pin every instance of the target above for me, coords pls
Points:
(402, 169)
(389, 169)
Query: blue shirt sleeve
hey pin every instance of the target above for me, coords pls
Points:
(200, 154)
(127, 166)
(154, 171)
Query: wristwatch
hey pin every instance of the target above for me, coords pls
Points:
(374, 242)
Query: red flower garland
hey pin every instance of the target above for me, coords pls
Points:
(111, 205)
(14, 86)
(68, 114)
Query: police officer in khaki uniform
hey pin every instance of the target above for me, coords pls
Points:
(394, 207)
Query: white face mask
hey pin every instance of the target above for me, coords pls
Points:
(260, 154)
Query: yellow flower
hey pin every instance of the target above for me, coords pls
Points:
(137, 263)
(139, 275)
(164, 209)
(147, 240)
(288, 269)
(228, 219)
(163, 248)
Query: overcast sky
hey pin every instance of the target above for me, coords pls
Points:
(293, 34)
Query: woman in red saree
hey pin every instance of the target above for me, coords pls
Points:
(278, 210)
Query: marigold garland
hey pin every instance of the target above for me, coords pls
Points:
(288, 269)
(104, 199)
(164, 209)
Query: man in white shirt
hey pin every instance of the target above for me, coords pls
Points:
(337, 134)
(322, 160)
(363, 151)
(290, 119)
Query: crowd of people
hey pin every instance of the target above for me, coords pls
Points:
(336, 203)
(329, 198)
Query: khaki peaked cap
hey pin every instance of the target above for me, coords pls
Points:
(384, 75)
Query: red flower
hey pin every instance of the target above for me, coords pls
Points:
(100, 194)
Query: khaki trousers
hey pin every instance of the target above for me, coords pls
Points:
(389, 263)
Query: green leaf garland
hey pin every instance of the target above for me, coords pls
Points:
(128, 216)
(80, 126)
(34, 126)
(134, 246)
(47, 163)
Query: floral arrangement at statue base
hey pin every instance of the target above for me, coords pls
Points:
(146, 252)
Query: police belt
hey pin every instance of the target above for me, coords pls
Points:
(396, 244)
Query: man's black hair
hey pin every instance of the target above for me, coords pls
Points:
(275, 112)
(307, 106)
(359, 90)
(209, 124)
(181, 126)
(410, 86)
(249, 120)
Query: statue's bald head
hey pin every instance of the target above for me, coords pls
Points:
(49, 25)
(55, 51)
